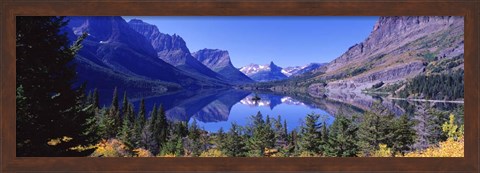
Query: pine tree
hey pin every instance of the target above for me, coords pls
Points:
(374, 130)
(115, 99)
(194, 138)
(162, 126)
(234, 145)
(280, 133)
(113, 117)
(404, 135)
(179, 151)
(257, 142)
(139, 124)
(155, 129)
(126, 132)
(147, 139)
(47, 108)
(93, 128)
(285, 129)
(220, 139)
(342, 138)
(269, 133)
(95, 99)
(125, 106)
(310, 134)
(324, 137)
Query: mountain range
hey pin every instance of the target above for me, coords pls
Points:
(135, 55)
(173, 50)
(272, 72)
(298, 70)
(263, 73)
(397, 49)
(114, 55)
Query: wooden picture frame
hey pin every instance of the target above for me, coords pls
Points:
(10, 9)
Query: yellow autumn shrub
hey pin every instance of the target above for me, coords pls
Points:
(167, 155)
(140, 152)
(111, 148)
(308, 154)
(57, 141)
(449, 148)
(212, 153)
(383, 151)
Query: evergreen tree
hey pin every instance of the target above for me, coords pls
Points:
(280, 133)
(147, 139)
(269, 133)
(155, 129)
(220, 139)
(403, 135)
(93, 121)
(375, 129)
(139, 124)
(113, 117)
(47, 107)
(324, 137)
(162, 125)
(95, 99)
(115, 99)
(194, 138)
(126, 132)
(294, 143)
(169, 147)
(436, 120)
(88, 100)
(342, 138)
(257, 142)
(179, 151)
(141, 112)
(310, 134)
(234, 145)
(285, 130)
(125, 106)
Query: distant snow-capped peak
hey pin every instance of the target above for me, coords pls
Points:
(254, 68)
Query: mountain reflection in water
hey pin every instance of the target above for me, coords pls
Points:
(218, 108)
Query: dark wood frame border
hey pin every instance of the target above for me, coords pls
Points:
(10, 9)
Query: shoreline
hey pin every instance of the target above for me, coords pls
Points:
(425, 100)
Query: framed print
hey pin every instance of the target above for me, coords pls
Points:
(240, 86)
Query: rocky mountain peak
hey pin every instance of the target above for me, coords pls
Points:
(213, 57)
(219, 61)
(398, 42)
(160, 41)
(173, 50)
(274, 67)
(263, 73)
(110, 29)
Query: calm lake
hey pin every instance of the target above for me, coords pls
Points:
(218, 108)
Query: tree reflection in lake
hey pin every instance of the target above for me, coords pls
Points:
(215, 108)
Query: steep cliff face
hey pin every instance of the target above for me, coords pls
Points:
(173, 50)
(398, 48)
(115, 55)
(219, 61)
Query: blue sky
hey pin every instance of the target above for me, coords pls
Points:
(288, 41)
